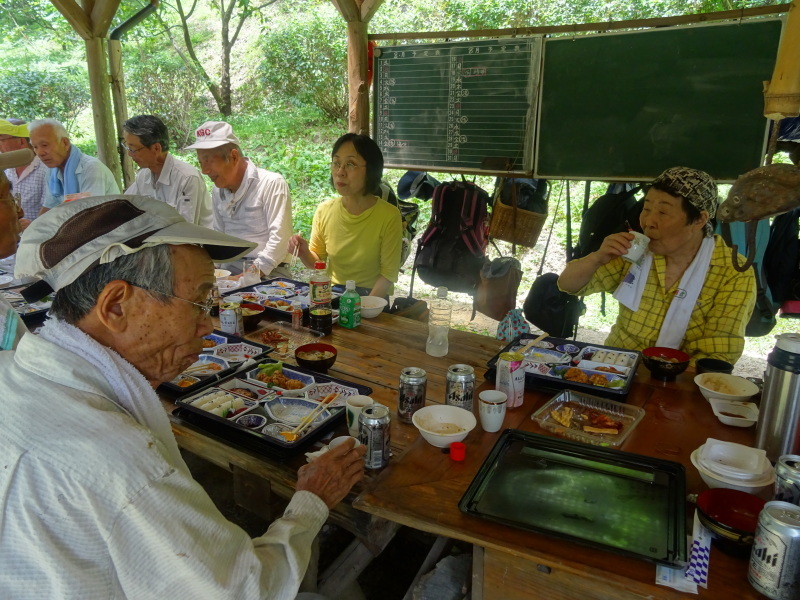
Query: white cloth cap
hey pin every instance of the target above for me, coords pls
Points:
(213, 134)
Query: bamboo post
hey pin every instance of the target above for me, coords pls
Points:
(101, 104)
(358, 113)
(120, 108)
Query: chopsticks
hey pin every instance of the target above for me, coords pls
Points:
(532, 343)
(295, 254)
(309, 418)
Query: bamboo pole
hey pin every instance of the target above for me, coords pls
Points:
(101, 105)
(120, 108)
(358, 113)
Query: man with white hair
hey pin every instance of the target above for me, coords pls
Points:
(96, 499)
(29, 181)
(161, 175)
(73, 174)
(246, 201)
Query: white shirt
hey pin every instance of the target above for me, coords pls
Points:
(181, 186)
(259, 211)
(93, 509)
(94, 179)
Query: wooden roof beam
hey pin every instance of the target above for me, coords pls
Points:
(102, 15)
(369, 8)
(348, 9)
(75, 16)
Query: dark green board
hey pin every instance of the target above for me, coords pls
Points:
(464, 106)
(627, 106)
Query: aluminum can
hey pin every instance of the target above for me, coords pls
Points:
(511, 377)
(787, 479)
(460, 386)
(775, 559)
(230, 318)
(373, 428)
(411, 392)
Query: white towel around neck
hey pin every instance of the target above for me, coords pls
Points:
(673, 329)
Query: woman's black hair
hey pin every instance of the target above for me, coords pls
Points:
(370, 152)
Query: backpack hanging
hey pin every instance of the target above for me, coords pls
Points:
(519, 210)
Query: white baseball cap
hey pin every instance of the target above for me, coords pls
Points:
(74, 237)
(213, 134)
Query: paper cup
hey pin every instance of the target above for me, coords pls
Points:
(638, 246)
(353, 406)
(492, 409)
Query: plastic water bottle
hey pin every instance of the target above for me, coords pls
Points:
(350, 307)
(439, 324)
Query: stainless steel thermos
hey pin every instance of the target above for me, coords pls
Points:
(778, 430)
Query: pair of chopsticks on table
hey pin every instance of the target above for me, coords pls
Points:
(309, 418)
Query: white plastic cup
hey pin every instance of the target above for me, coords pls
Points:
(337, 441)
(353, 406)
(638, 247)
(492, 409)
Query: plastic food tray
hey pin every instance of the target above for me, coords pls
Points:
(552, 375)
(294, 338)
(628, 415)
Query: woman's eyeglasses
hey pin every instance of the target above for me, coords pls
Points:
(348, 166)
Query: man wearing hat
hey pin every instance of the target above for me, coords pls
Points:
(97, 500)
(11, 326)
(246, 201)
(683, 292)
(72, 174)
(29, 181)
(161, 175)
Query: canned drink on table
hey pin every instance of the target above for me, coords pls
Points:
(373, 427)
(511, 377)
(460, 386)
(411, 392)
(775, 559)
(787, 479)
(230, 318)
(214, 312)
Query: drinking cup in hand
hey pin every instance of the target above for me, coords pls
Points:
(638, 247)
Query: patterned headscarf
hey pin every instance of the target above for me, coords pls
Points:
(698, 187)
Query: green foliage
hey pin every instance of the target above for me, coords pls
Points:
(305, 59)
(56, 93)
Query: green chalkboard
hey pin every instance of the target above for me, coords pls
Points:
(457, 106)
(626, 106)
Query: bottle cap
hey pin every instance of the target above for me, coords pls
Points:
(319, 265)
(350, 284)
(458, 451)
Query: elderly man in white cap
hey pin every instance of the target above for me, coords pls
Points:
(28, 181)
(73, 174)
(247, 202)
(97, 501)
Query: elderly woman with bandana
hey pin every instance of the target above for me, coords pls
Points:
(684, 292)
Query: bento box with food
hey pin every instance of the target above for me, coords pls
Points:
(244, 411)
(277, 295)
(286, 340)
(223, 353)
(589, 419)
(555, 363)
(30, 312)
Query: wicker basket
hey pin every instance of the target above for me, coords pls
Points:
(514, 225)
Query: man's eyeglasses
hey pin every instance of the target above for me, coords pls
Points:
(348, 166)
(131, 151)
(205, 308)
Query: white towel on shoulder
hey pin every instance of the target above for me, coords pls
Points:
(673, 329)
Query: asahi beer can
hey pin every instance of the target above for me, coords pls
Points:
(787, 479)
(775, 559)
(460, 386)
(230, 318)
(373, 426)
(511, 377)
(411, 392)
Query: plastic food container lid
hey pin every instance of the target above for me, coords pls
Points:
(733, 460)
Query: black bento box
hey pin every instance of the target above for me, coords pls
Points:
(556, 364)
(263, 404)
(283, 289)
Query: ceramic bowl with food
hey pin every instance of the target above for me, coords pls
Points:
(252, 314)
(665, 363)
(372, 306)
(317, 357)
(731, 516)
(442, 424)
(725, 387)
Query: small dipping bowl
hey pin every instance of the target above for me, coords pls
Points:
(252, 421)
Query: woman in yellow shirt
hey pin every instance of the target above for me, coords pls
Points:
(358, 235)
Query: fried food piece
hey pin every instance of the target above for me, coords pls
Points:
(280, 380)
(563, 416)
(609, 430)
(610, 370)
(598, 380)
(209, 343)
(601, 421)
(244, 392)
(270, 336)
(576, 375)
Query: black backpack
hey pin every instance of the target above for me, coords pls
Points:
(531, 193)
(782, 260)
(452, 250)
(610, 213)
(552, 310)
(410, 213)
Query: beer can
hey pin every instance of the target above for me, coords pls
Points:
(373, 427)
(787, 479)
(511, 377)
(411, 392)
(230, 318)
(214, 312)
(775, 559)
(460, 386)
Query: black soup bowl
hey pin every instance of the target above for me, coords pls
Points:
(665, 363)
